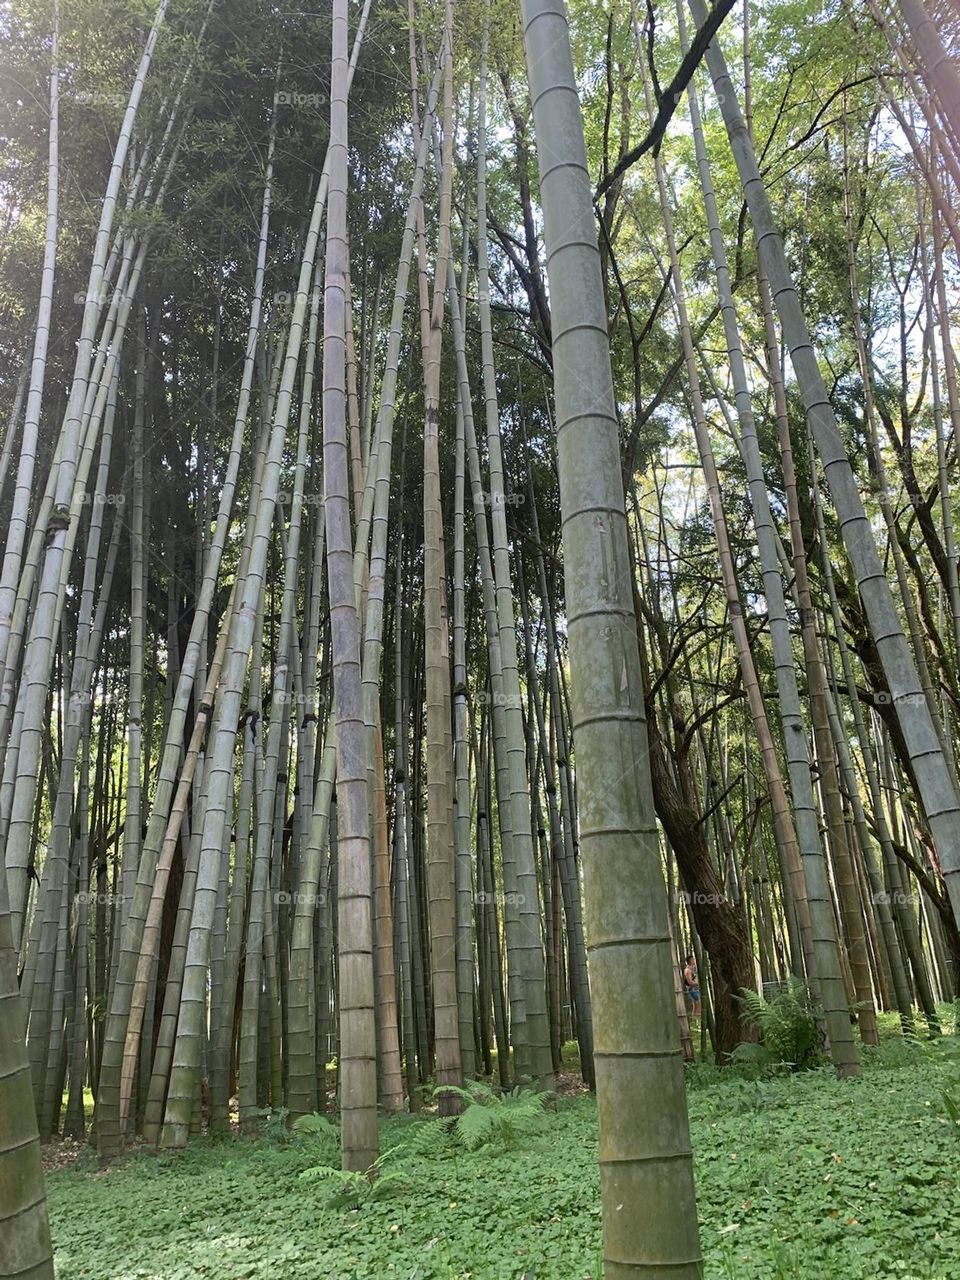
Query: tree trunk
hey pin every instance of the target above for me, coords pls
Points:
(644, 1137)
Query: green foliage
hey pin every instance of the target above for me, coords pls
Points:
(273, 1125)
(752, 1095)
(797, 1175)
(317, 1134)
(947, 1051)
(494, 1120)
(787, 1024)
(753, 1058)
(352, 1189)
(316, 1125)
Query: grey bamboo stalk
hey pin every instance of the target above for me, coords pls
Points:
(864, 737)
(108, 1102)
(17, 520)
(353, 409)
(518, 1028)
(827, 968)
(439, 799)
(401, 820)
(426, 342)
(936, 784)
(55, 1067)
(186, 1064)
(169, 1017)
(151, 930)
(560, 817)
(217, 784)
(531, 953)
(102, 388)
(38, 656)
(357, 1057)
(302, 1086)
(370, 341)
(463, 888)
(268, 788)
(73, 1125)
(302, 992)
(186, 1061)
(937, 67)
(645, 1157)
(805, 836)
(263, 926)
(38, 974)
(946, 511)
(879, 897)
(13, 422)
(861, 344)
(138, 587)
(59, 835)
(25, 1248)
(392, 1088)
(463, 859)
(301, 1012)
(20, 792)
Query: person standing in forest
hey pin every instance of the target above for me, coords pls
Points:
(692, 984)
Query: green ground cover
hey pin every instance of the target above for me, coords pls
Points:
(800, 1175)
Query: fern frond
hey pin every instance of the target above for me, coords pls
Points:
(330, 1173)
(755, 1007)
(475, 1126)
(429, 1138)
(316, 1125)
(472, 1091)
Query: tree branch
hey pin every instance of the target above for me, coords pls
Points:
(670, 98)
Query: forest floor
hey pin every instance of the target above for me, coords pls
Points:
(797, 1176)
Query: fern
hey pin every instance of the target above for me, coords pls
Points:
(751, 1054)
(755, 1007)
(352, 1189)
(494, 1120)
(477, 1126)
(787, 1025)
(315, 1125)
(945, 1051)
(430, 1138)
(472, 1091)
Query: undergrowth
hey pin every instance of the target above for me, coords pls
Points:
(798, 1174)
(787, 1026)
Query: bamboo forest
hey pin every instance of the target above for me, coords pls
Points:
(479, 639)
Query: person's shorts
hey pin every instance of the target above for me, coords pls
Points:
(693, 993)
